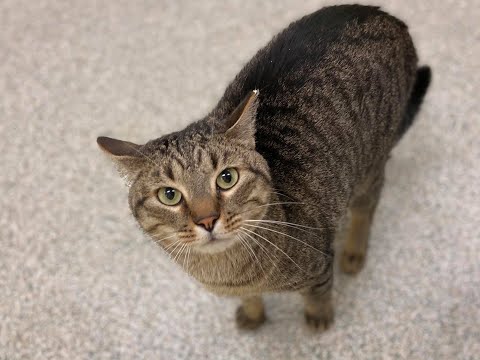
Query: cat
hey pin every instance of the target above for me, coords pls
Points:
(248, 200)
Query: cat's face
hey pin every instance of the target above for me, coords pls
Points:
(197, 190)
(201, 195)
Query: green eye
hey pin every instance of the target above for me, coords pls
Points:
(169, 196)
(227, 179)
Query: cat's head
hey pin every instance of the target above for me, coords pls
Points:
(200, 186)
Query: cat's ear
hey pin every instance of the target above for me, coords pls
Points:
(240, 124)
(126, 155)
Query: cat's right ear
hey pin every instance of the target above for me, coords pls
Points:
(127, 156)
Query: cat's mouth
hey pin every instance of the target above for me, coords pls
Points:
(214, 243)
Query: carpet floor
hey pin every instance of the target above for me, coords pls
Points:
(78, 280)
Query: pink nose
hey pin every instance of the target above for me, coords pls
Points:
(208, 223)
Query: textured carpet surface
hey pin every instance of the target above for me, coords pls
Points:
(79, 281)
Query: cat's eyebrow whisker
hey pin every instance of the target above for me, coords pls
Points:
(274, 191)
(291, 237)
(274, 245)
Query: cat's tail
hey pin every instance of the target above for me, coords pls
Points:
(424, 75)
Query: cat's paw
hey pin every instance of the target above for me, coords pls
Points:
(247, 323)
(352, 263)
(319, 322)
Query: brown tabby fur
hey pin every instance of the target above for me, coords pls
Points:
(337, 89)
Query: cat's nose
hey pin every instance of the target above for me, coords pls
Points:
(208, 223)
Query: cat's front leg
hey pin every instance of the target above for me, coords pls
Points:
(319, 312)
(251, 313)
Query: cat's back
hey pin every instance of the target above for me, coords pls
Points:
(333, 85)
(343, 35)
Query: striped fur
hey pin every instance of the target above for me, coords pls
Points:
(335, 89)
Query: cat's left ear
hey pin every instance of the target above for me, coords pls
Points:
(127, 156)
(241, 122)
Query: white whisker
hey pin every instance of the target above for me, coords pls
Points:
(178, 246)
(156, 241)
(275, 203)
(188, 258)
(283, 252)
(289, 236)
(287, 224)
(255, 258)
(172, 244)
(177, 256)
(275, 265)
(275, 259)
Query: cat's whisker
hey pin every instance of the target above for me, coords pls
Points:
(177, 256)
(282, 194)
(179, 245)
(274, 245)
(188, 258)
(274, 263)
(255, 258)
(274, 203)
(278, 192)
(162, 233)
(291, 237)
(279, 225)
(269, 255)
(286, 223)
(157, 241)
(242, 241)
(186, 250)
(172, 244)
(275, 259)
(284, 203)
(249, 248)
(260, 246)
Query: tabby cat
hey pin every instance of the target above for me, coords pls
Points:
(248, 199)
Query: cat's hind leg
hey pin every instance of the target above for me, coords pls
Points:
(362, 209)
(251, 313)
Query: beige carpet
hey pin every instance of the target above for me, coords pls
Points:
(77, 278)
